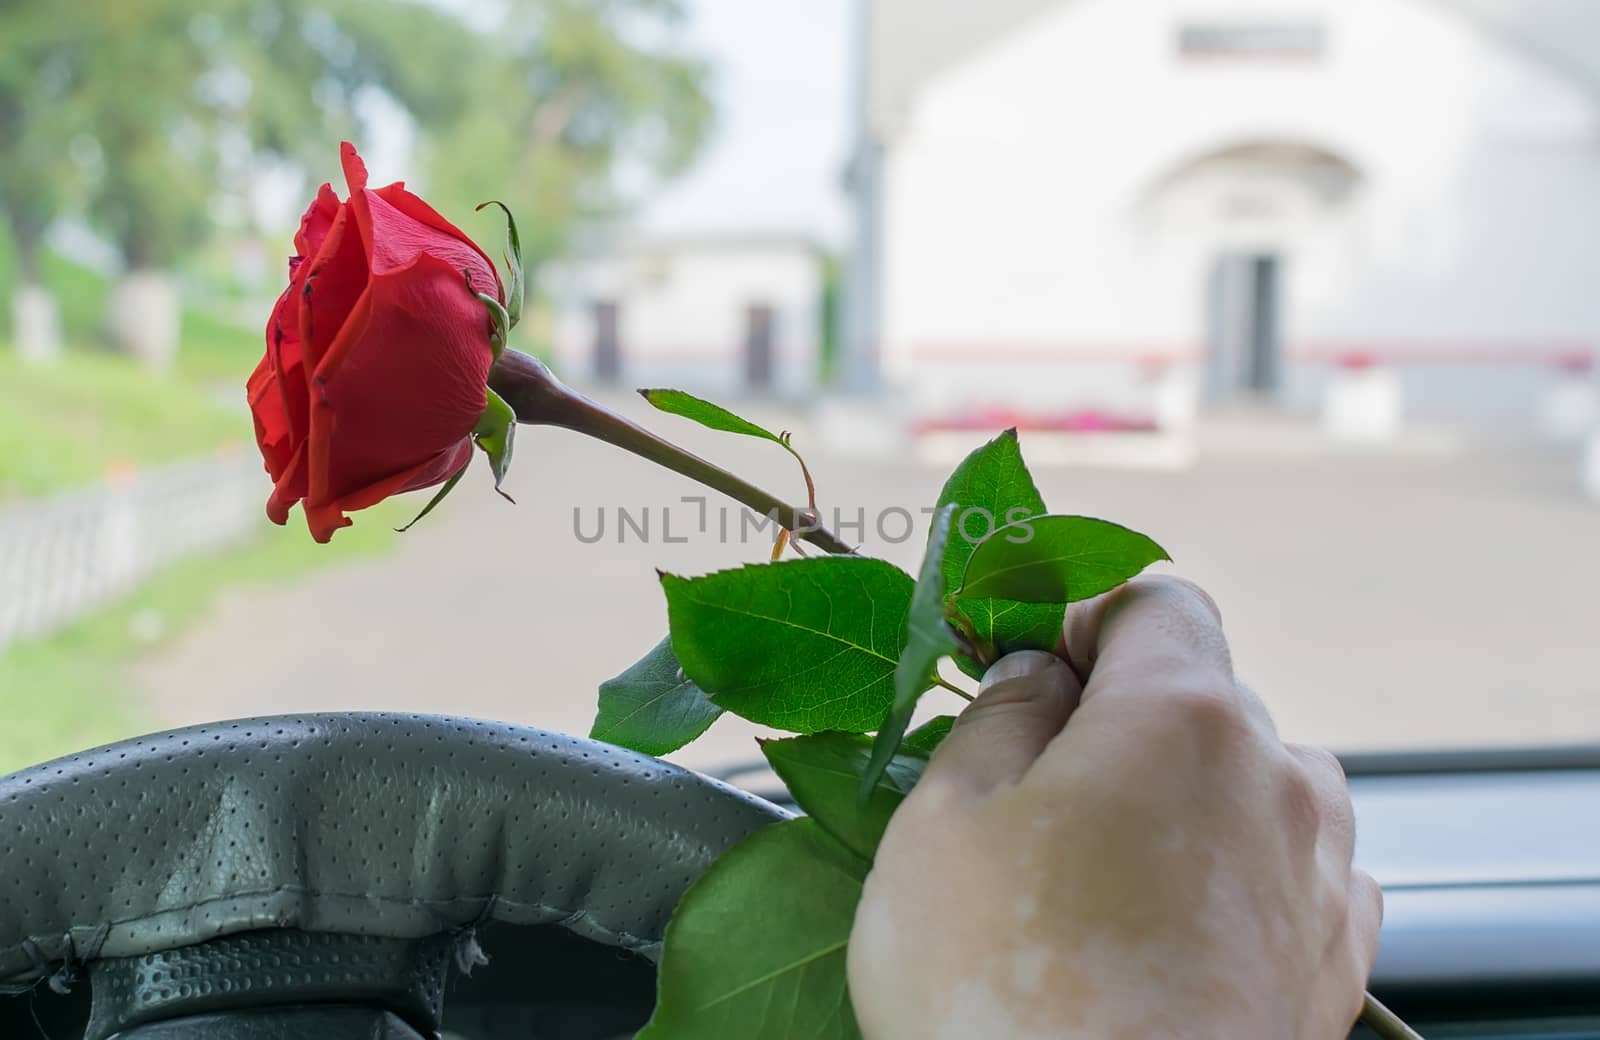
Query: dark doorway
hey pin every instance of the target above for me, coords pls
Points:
(759, 333)
(1245, 318)
(607, 342)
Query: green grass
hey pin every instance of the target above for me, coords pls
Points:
(72, 421)
(93, 411)
(73, 690)
(216, 350)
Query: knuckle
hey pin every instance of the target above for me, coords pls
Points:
(1301, 802)
(1333, 898)
(1319, 761)
(1315, 788)
(1178, 588)
(1208, 709)
(1368, 893)
(1204, 723)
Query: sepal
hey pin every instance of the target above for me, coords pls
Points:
(502, 323)
(495, 433)
(449, 486)
(513, 256)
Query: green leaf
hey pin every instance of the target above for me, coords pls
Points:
(652, 707)
(707, 414)
(1057, 559)
(993, 487)
(756, 949)
(513, 255)
(928, 638)
(719, 418)
(803, 645)
(823, 773)
(449, 486)
(496, 429)
(926, 738)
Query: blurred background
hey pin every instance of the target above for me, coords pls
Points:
(1305, 290)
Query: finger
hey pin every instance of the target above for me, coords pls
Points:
(1338, 999)
(1366, 920)
(1329, 793)
(1150, 638)
(1025, 700)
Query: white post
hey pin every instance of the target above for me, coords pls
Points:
(144, 316)
(1176, 399)
(1364, 402)
(1571, 407)
(117, 559)
(35, 323)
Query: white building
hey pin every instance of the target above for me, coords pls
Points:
(719, 314)
(1067, 204)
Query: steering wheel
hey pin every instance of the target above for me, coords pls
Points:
(330, 875)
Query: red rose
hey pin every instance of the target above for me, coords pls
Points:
(378, 354)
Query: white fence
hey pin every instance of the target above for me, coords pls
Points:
(63, 556)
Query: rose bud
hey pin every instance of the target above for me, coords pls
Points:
(378, 354)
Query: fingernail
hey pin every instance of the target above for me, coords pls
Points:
(1020, 665)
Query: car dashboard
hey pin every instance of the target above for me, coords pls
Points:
(1490, 866)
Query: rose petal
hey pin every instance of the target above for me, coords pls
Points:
(444, 466)
(314, 225)
(270, 418)
(355, 171)
(334, 281)
(327, 518)
(404, 380)
(284, 356)
(289, 488)
(418, 210)
(394, 239)
(320, 490)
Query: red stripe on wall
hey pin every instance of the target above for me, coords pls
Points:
(1559, 353)
(1066, 352)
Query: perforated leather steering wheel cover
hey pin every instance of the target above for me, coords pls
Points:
(363, 823)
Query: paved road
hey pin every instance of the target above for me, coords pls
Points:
(1416, 598)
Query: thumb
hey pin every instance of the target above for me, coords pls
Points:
(1025, 700)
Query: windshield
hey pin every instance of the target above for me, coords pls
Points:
(1305, 292)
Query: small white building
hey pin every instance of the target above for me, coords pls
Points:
(721, 314)
(1081, 204)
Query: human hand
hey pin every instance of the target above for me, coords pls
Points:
(1141, 858)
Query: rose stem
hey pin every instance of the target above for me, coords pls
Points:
(540, 399)
(1384, 1022)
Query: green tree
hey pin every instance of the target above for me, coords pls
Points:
(168, 106)
(247, 77)
(579, 104)
(36, 78)
(307, 62)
